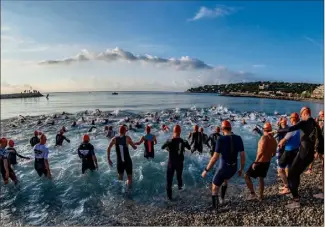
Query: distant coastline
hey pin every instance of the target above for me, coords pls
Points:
(21, 95)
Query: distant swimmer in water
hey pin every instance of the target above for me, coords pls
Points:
(41, 158)
(87, 155)
(204, 136)
(149, 142)
(35, 140)
(12, 157)
(244, 122)
(39, 122)
(6, 170)
(110, 133)
(93, 122)
(205, 118)
(91, 128)
(164, 128)
(60, 138)
(196, 140)
(176, 148)
(138, 125)
(213, 138)
(74, 124)
(123, 158)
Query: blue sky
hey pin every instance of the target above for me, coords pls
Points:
(233, 41)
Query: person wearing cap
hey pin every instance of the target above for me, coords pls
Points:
(110, 133)
(87, 155)
(265, 151)
(228, 147)
(311, 141)
(196, 140)
(12, 156)
(204, 136)
(41, 153)
(149, 142)
(123, 158)
(60, 138)
(34, 140)
(5, 168)
(282, 124)
(176, 148)
(212, 140)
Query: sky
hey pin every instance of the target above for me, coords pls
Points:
(158, 45)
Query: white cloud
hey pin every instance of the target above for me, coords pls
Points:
(218, 11)
(259, 66)
(314, 42)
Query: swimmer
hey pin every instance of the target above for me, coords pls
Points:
(12, 156)
(123, 158)
(149, 142)
(229, 146)
(60, 138)
(244, 122)
(196, 140)
(164, 128)
(6, 170)
(176, 148)
(204, 136)
(87, 155)
(74, 124)
(35, 140)
(41, 158)
(213, 138)
(205, 118)
(91, 128)
(266, 150)
(110, 133)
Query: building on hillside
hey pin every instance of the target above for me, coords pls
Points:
(265, 92)
(280, 93)
(318, 93)
(263, 87)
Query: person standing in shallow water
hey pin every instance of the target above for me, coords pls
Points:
(5, 168)
(41, 153)
(228, 146)
(196, 140)
(34, 140)
(123, 158)
(176, 147)
(149, 142)
(213, 140)
(87, 155)
(265, 151)
(12, 157)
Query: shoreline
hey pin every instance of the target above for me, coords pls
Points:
(21, 95)
(244, 95)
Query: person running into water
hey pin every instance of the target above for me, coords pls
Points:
(5, 168)
(228, 146)
(35, 140)
(290, 143)
(176, 148)
(213, 140)
(265, 151)
(196, 140)
(87, 155)
(60, 138)
(123, 158)
(204, 136)
(310, 142)
(41, 152)
(12, 156)
(149, 142)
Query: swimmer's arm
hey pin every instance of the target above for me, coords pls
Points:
(189, 136)
(187, 145)
(66, 139)
(20, 156)
(154, 140)
(5, 163)
(131, 143)
(213, 160)
(296, 127)
(260, 149)
(94, 158)
(111, 144)
(242, 160)
(165, 145)
(140, 141)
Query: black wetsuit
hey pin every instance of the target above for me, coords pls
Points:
(12, 156)
(213, 138)
(197, 142)
(34, 140)
(59, 140)
(305, 155)
(176, 148)
(86, 152)
(124, 162)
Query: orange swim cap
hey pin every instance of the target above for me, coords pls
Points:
(3, 141)
(36, 133)
(196, 128)
(177, 129)
(225, 124)
(122, 130)
(86, 138)
(267, 127)
(148, 129)
(11, 143)
(295, 116)
(305, 108)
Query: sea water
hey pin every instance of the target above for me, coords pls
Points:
(72, 198)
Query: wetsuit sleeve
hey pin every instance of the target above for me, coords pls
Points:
(165, 145)
(218, 146)
(300, 125)
(20, 156)
(187, 145)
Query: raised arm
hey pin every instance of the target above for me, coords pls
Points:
(296, 127)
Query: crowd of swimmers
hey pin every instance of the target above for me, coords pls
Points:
(294, 147)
